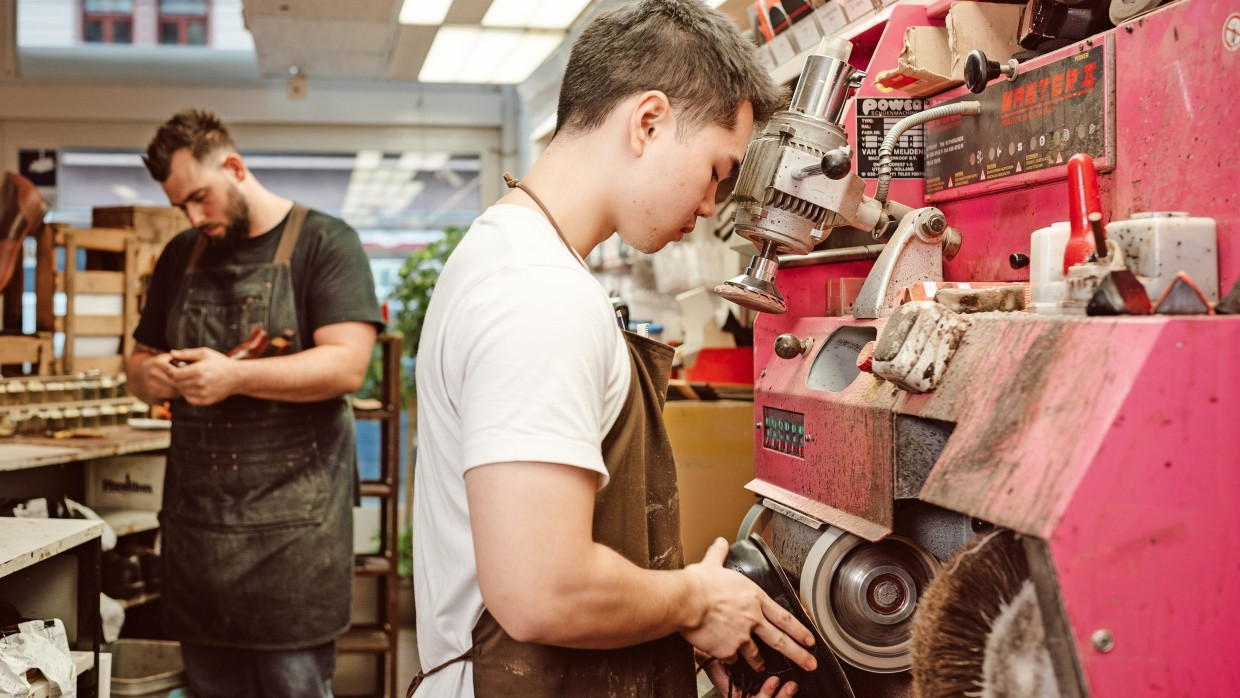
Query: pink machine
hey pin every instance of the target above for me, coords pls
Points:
(1110, 443)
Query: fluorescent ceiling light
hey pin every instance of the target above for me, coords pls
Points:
(429, 12)
(541, 14)
(486, 56)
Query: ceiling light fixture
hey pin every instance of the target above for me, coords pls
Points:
(486, 56)
(429, 12)
(540, 14)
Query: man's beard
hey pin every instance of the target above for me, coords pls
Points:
(238, 228)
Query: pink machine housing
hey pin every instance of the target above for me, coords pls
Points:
(1113, 443)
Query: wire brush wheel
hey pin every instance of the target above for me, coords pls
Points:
(978, 629)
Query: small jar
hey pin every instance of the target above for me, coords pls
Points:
(107, 415)
(55, 419)
(73, 417)
(90, 416)
(54, 391)
(107, 387)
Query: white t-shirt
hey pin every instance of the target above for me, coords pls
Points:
(521, 359)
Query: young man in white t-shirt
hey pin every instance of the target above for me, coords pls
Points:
(531, 575)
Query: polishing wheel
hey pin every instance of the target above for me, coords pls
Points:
(979, 630)
(863, 596)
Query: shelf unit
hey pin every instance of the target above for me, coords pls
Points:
(379, 638)
(28, 550)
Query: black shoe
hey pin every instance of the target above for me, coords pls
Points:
(755, 560)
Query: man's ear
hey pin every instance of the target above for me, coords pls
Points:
(650, 118)
(235, 165)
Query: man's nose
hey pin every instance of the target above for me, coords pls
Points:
(194, 213)
(706, 208)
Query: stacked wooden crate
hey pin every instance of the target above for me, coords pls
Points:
(120, 252)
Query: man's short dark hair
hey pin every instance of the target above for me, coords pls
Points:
(200, 131)
(692, 53)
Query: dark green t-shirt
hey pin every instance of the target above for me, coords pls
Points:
(331, 277)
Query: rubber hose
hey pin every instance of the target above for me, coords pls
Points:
(889, 143)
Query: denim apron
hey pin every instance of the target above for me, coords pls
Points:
(257, 507)
(638, 515)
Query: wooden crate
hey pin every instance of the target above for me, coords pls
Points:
(156, 224)
(116, 263)
(33, 349)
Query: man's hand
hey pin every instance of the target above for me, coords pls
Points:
(736, 610)
(719, 677)
(149, 377)
(207, 376)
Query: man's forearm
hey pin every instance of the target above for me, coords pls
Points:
(307, 376)
(604, 603)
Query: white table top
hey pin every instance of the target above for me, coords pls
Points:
(23, 542)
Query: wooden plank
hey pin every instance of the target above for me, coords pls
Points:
(114, 363)
(19, 349)
(133, 293)
(69, 321)
(108, 282)
(99, 239)
(90, 326)
(44, 278)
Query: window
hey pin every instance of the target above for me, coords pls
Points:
(107, 21)
(183, 22)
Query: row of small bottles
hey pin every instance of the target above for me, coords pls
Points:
(39, 390)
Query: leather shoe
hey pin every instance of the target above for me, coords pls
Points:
(752, 558)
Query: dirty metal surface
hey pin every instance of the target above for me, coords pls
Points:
(847, 460)
(1147, 545)
(1031, 397)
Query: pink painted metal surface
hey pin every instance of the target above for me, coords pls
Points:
(1113, 439)
(1148, 545)
(1175, 120)
(847, 461)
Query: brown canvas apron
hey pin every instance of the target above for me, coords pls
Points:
(637, 515)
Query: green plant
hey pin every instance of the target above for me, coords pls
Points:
(408, 300)
(412, 293)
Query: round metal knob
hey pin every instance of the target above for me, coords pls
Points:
(1018, 261)
(978, 71)
(836, 164)
(789, 346)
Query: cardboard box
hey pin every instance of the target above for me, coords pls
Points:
(712, 441)
(125, 482)
(932, 58)
(831, 18)
(924, 66)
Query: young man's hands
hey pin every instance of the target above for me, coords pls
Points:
(735, 611)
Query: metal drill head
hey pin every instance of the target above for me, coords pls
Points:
(753, 293)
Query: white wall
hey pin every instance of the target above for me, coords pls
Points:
(335, 117)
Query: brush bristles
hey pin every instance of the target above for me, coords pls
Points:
(957, 614)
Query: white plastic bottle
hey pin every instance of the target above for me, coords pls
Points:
(1158, 245)
(1046, 247)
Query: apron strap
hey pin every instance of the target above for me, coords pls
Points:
(465, 656)
(292, 229)
(284, 253)
(199, 245)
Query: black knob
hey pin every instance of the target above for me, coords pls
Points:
(789, 346)
(978, 71)
(836, 164)
(1018, 261)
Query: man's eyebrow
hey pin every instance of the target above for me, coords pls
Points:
(192, 194)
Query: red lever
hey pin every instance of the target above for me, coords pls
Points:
(1083, 200)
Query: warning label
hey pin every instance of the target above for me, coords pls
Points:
(1035, 123)
(875, 117)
